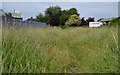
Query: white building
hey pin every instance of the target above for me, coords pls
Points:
(16, 14)
(95, 24)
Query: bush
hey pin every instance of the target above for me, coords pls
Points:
(66, 15)
(64, 26)
(74, 20)
(114, 22)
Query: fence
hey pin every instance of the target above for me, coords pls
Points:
(21, 24)
(32, 24)
(8, 21)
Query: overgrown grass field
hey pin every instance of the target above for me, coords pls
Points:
(56, 50)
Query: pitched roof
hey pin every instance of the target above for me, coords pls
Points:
(105, 19)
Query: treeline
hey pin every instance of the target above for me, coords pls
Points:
(55, 16)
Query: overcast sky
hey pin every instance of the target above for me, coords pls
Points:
(85, 9)
(60, 0)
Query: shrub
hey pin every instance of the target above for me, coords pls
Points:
(114, 22)
(66, 15)
(74, 20)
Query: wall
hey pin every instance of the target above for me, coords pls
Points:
(8, 21)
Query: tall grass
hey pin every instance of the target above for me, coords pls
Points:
(0, 50)
(56, 50)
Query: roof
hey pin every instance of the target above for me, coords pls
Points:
(105, 19)
(18, 18)
(31, 19)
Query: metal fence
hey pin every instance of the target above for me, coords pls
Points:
(8, 21)
(21, 24)
(32, 24)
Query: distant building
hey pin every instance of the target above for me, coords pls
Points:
(31, 19)
(105, 21)
(16, 17)
(10, 19)
(16, 14)
(6, 18)
(119, 17)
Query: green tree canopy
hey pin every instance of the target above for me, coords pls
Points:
(74, 20)
(73, 11)
(53, 13)
(66, 15)
(40, 18)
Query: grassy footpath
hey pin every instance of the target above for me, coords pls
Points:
(60, 50)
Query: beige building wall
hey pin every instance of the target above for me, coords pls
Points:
(16, 14)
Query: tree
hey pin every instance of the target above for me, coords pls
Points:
(40, 18)
(66, 15)
(73, 11)
(89, 20)
(83, 22)
(53, 14)
(74, 20)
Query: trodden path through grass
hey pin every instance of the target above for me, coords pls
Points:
(56, 50)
